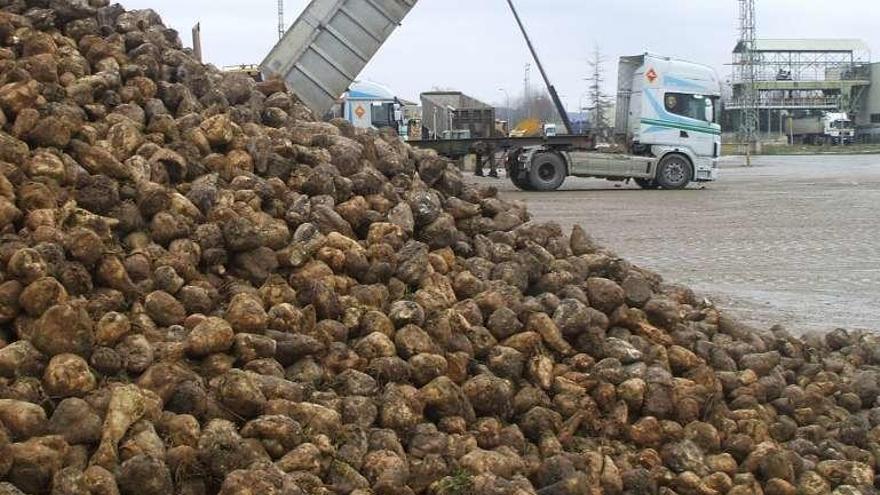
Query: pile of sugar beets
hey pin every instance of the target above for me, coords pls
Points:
(203, 290)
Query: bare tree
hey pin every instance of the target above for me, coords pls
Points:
(599, 101)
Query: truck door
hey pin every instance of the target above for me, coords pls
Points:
(694, 125)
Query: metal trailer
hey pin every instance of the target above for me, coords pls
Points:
(445, 113)
(460, 148)
(827, 128)
(330, 44)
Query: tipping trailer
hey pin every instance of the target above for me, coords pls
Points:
(330, 44)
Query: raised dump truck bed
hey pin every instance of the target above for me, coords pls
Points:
(330, 44)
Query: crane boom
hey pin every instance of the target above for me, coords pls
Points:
(560, 108)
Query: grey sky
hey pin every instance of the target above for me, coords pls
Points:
(474, 45)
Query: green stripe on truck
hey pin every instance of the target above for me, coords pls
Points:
(684, 127)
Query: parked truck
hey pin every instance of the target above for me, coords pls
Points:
(370, 105)
(825, 128)
(667, 123)
(667, 131)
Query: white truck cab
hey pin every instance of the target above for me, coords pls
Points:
(666, 131)
(821, 129)
(670, 106)
(839, 128)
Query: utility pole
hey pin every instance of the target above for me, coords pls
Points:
(197, 41)
(749, 73)
(507, 94)
(281, 29)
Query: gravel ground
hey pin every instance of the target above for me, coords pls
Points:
(792, 240)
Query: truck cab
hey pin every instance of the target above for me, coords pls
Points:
(668, 106)
(370, 105)
(839, 129)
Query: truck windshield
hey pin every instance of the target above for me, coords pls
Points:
(841, 124)
(698, 107)
(381, 115)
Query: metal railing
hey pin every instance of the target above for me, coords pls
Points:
(820, 102)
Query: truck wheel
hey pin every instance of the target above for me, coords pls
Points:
(521, 183)
(674, 172)
(647, 184)
(547, 172)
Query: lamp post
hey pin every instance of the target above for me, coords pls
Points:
(507, 106)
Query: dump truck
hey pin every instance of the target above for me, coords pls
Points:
(667, 130)
(825, 128)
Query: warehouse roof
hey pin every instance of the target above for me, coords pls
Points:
(807, 45)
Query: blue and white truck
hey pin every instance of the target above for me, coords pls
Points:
(666, 131)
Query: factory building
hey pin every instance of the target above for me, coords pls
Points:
(868, 117)
(797, 77)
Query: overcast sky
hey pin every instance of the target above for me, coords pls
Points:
(474, 45)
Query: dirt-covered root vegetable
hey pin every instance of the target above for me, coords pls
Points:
(27, 266)
(21, 419)
(144, 475)
(76, 421)
(111, 327)
(64, 328)
(68, 375)
(246, 314)
(210, 336)
(36, 462)
(42, 294)
(127, 405)
(205, 290)
(164, 309)
(21, 358)
(237, 391)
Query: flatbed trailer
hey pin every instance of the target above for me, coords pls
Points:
(459, 148)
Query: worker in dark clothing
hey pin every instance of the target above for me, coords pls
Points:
(493, 165)
(484, 152)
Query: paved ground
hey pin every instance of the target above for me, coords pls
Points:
(792, 240)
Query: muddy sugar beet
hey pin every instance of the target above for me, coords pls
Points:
(205, 290)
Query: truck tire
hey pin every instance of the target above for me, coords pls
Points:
(647, 184)
(547, 172)
(674, 172)
(521, 183)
